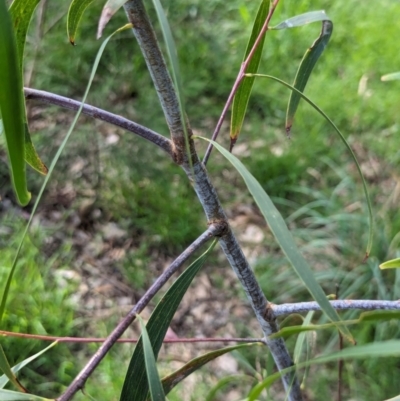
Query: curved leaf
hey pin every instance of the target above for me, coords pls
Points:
(170, 381)
(284, 238)
(341, 136)
(390, 264)
(12, 105)
(302, 19)
(155, 386)
(109, 9)
(75, 12)
(135, 385)
(242, 95)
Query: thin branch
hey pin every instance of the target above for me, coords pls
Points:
(129, 340)
(342, 304)
(84, 374)
(239, 78)
(67, 103)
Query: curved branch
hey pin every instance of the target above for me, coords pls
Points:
(95, 112)
(84, 374)
(287, 309)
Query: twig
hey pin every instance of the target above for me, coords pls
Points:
(342, 304)
(84, 374)
(95, 112)
(239, 79)
(129, 340)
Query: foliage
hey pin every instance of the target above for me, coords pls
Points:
(117, 178)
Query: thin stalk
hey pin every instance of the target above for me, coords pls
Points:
(95, 112)
(239, 78)
(79, 382)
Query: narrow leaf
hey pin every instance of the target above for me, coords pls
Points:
(135, 385)
(4, 379)
(51, 169)
(75, 12)
(284, 238)
(298, 348)
(155, 386)
(21, 14)
(7, 395)
(391, 77)
(170, 381)
(109, 9)
(5, 367)
(302, 19)
(12, 105)
(242, 96)
(390, 264)
(306, 66)
(384, 349)
(343, 139)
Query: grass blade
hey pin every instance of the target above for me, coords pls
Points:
(284, 238)
(242, 96)
(170, 381)
(298, 348)
(12, 105)
(390, 264)
(4, 379)
(5, 367)
(302, 19)
(135, 385)
(52, 166)
(384, 349)
(155, 386)
(343, 139)
(75, 12)
(7, 395)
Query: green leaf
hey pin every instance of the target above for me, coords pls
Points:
(170, 381)
(343, 139)
(12, 105)
(390, 264)
(242, 95)
(5, 367)
(391, 77)
(284, 238)
(7, 395)
(310, 58)
(4, 379)
(75, 12)
(155, 386)
(298, 348)
(385, 349)
(51, 169)
(109, 9)
(31, 157)
(135, 385)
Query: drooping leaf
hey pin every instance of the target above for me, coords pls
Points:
(153, 378)
(109, 9)
(75, 12)
(391, 77)
(7, 395)
(12, 105)
(135, 385)
(343, 139)
(52, 166)
(384, 349)
(170, 381)
(4, 379)
(242, 95)
(310, 57)
(390, 264)
(5, 367)
(31, 156)
(284, 238)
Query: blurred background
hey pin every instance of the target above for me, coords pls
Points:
(117, 210)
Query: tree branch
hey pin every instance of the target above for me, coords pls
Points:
(342, 304)
(84, 374)
(67, 103)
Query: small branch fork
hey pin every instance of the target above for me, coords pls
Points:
(239, 79)
(84, 374)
